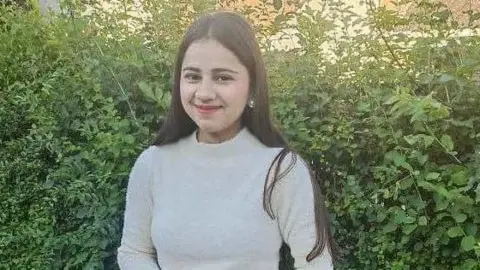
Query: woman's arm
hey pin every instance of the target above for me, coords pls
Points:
(293, 200)
(136, 250)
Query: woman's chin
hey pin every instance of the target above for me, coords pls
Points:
(208, 126)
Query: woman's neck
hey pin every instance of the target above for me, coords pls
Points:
(217, 137)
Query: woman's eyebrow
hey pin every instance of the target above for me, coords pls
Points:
(191, 69)
(218, 70)
(215, 70)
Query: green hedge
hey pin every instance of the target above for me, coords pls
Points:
(396, 146)
(65, 151)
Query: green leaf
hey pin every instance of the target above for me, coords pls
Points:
(471, 229)
(432, 176)
(447, 142)
(277, 4)
(400, 217)
(460, 178)
(446, 78)
(418, 113)
(467, 123)
(428, 140)
(129, 139)
(468, 243)
(399, 159)
(381, 216)
(462, 198)
(438, 189)
(418, 246)
(410, 139)
(422, 159)
(422, 221)
(408, 229)
(49, 183)
(409, 220)
(455, 232)
(407, 183)
(390, 227)
(407, 166)
(441, 204)
(460, 217)
(146, 90)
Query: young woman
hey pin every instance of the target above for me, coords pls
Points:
(219, 188)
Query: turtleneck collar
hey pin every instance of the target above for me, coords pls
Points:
(240, 144)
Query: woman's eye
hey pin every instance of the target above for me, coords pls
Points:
(223, 78)
(192, 77)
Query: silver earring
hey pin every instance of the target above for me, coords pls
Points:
(251, 103)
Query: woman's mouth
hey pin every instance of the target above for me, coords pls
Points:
(207, 109)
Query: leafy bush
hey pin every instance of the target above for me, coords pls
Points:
(393, 133)
(65, 152)
(391, 128)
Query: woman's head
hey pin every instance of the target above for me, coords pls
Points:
(220, 80)
(214, 88)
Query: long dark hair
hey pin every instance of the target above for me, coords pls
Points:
(236, 34)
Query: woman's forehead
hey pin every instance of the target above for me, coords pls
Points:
(210, 54)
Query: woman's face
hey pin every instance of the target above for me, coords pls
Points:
(214, 88)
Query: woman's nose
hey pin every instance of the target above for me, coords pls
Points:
(205, 91)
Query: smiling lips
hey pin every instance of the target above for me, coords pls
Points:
(207, 109)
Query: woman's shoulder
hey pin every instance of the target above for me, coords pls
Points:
(285, 156)
(293, 167)
(146, 156)
(157, 151)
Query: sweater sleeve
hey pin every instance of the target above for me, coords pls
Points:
(136, 250)
(294, 206)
